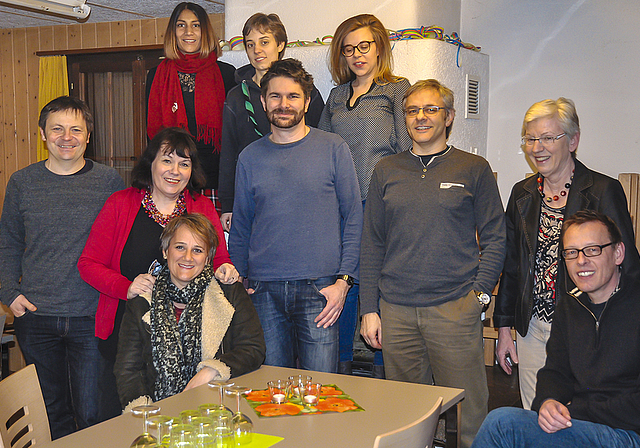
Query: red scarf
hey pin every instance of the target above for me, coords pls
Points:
(166, 106)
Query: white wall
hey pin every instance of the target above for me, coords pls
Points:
(415, 59)
(310, 19)
(588, 51)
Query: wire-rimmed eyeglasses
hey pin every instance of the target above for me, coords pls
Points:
(413, 111)
(545, 140)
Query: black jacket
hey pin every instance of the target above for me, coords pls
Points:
(232, 340)
(238, 130)
(589, 191)
(593, 366)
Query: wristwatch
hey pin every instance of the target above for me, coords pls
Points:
(347, 278)
(483, 297)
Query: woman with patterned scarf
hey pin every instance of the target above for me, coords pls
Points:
(189, 86)
(191, 329)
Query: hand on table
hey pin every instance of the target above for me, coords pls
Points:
(205, 375)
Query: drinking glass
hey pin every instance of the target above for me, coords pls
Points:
(187, 415)
(145, 440)
(182, 436)
(163, 424)
(222, 428)
(221, 384)
(278, 390)
(296, 381)
(204, 432)
(242, 425)
(311, 394)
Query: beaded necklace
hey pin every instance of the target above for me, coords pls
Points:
(555, 197)
(154, 213)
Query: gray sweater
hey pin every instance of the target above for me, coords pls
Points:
(46, 219)
(419, 245)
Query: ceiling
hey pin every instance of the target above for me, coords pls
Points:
(101, 11)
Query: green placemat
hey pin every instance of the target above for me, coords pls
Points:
(332, 399)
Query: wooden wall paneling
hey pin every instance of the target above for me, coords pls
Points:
(89, 38)
(148, 34)
(8, 100)
(161, 27)
(60, 37)
(133, 32)
(74, 39)
(20, 88)
(46, 38)
(4, 174)
(118, 34)
(217, 22)
(33, 73)
(103, 33)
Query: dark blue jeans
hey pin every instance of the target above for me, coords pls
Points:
(286, 310)
(65, 353)
(518, 428)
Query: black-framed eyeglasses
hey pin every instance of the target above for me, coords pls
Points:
(589, 251)
(546, 140)
(427, 110)
(363, 47)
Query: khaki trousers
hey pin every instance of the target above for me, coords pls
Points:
(441, 344)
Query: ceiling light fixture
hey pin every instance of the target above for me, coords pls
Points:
(78, 9)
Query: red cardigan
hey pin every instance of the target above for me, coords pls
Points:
(99, 264)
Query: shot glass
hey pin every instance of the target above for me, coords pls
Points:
(279, 391)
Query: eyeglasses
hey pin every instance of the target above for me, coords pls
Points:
(589, 251)
(363, 47)
(546, 140)
(427, 110)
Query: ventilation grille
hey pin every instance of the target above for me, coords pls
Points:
(472, 109)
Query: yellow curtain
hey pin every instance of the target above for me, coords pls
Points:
(54, 82)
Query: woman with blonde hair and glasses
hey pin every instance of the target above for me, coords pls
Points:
(365, 109)
(534, 275)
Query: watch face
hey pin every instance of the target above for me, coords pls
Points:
(484, 298)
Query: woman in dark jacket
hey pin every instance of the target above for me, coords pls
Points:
(533, 275)
(189, 87)
(191, 329)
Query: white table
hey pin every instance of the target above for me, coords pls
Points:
(388, 405)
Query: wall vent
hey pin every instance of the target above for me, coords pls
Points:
(472, 109)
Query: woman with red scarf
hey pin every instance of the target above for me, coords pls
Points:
(188, 88)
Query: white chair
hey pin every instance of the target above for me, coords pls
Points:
(418, 434)
(23, 416)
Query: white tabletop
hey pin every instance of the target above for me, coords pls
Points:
(388, 405)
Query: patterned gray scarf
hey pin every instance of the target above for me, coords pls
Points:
(176, 347)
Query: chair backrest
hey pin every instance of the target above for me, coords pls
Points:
(23, 416)
(418, 434)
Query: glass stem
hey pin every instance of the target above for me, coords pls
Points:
(238, 401)
(145, 425)
(221, 389)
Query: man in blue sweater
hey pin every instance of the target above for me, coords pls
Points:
(297, 222)
(48, 212)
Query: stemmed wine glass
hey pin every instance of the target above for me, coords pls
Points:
(242, 425)
(145, 440)
(221, 385)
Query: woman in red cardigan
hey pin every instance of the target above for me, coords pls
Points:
(125, 238)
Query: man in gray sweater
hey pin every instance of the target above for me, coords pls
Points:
(433, 246)
(48, 211)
